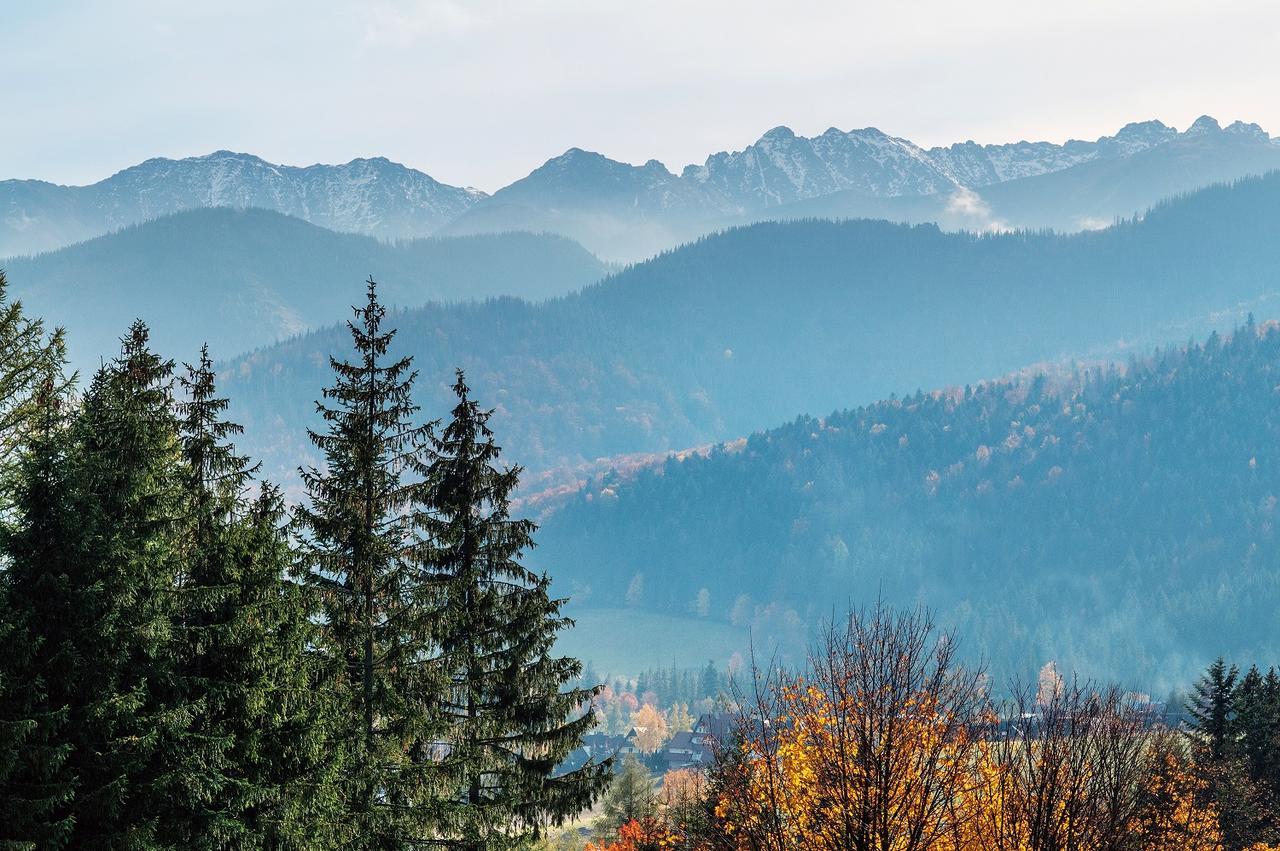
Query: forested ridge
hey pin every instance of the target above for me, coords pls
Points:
(240, 279)
(1120, 519)
(746, 328)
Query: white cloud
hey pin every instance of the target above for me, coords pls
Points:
(974, 212)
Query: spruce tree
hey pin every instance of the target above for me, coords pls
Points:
(36, 784)
(510, 719)
(284, 746)
(630, 797)
(243, 668)
(29, 356)
(124, 718)
(1212, 707)
(363, 556)
(216, 670)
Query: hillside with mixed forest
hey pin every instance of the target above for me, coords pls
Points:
(1120, 520)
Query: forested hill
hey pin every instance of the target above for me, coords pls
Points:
(752, 326)
(240, 279)
(1120, 521)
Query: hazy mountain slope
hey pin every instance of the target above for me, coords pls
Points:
(625, 212)
(369, 196)
(1120, 522)
(245, 278)
(748, 327)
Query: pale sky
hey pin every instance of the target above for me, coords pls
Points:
(480, 92)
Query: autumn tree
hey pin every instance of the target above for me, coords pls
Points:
(650, 727)
(868, 748)
(1063, 768)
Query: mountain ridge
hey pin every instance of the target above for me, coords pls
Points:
(640, 210)
(372, 196)
(252, 277)
(621, 211)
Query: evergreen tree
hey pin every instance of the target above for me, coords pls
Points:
(363, 557)
(710, 686)
(243, 668)
(1212, 707)
(28, 358)
(124, 720)
(35, 781)
(1267, 735)
(510, 717)
(630, 796)
(1252, 723)
(214, 674)
(285, 745)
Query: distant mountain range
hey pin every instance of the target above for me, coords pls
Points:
(622, 211)
(240, 279)
(626, 212)
(749, 327)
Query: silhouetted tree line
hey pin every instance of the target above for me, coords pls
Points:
(185, 665)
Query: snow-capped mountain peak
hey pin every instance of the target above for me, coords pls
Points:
(369, 195)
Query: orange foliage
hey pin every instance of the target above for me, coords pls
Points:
(885, 745)
(640, 835)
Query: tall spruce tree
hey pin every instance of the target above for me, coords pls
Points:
(1212, 707)
(363, 555)
(251, 752)
(216, 671)
(510, 717)
(36, 783)
(285, 746)
(124, 718)
(28, 357)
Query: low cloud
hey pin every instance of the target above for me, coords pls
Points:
(1092, 223)
(975, 213)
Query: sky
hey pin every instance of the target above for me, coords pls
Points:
(481, 92)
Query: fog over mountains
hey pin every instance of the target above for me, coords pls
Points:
(627, 212)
